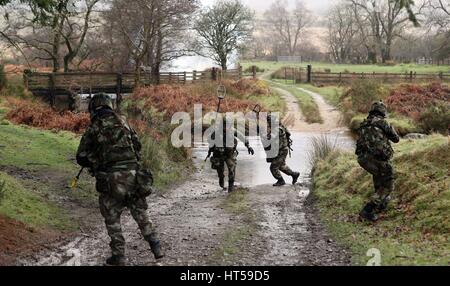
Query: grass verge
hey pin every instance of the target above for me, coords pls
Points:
(415, 230)
(308, 106)
(331, 94)
(20, 204)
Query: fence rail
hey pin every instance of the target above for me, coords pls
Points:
(54, 85)
(50, 85)
(300, 75)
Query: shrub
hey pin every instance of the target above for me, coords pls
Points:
(3, 80)
(363, 93)
(413, 100)
(436, 118)
(322, 147)
(38, 114)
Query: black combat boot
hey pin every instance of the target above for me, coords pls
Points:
(368, 212)
(222, 182)
(280, 183)
(116, 260)
(384, 205)
(230, 186)
(295, 178)
(155, 246)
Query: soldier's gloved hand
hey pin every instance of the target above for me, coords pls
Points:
(251, 151)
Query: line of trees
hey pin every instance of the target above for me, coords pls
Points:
(375, 31)
(120, 35)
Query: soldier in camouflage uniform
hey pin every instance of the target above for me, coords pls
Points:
(374, 152)
(278, 164)
(224, 154)
(111, 149)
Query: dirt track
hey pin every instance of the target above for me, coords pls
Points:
(200, 224)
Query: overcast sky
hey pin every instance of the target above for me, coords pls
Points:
(317, 6)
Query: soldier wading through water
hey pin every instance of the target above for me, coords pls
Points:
(111, 149)
(278, 164)
(225, 152)
(374, 152)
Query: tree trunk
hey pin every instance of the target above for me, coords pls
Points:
(224, 63)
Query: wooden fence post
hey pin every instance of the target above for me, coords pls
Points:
(441, 76)
(119, 89)
(214, 74)
(254, 72)
(185, 77)
(309, 75)
(194, 76)
(52, 89)
(239, 72)
(285, 75)
(26, 81)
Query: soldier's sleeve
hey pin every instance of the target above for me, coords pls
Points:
(85, 149)
(390, 132)
(241, 137)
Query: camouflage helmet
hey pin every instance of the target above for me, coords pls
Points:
(100, 100)
(380, 108)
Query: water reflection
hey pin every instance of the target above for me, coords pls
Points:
(254, 171)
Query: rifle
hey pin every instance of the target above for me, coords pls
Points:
(74, 183)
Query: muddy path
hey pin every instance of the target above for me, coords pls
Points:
(295, 121)
(200, 224)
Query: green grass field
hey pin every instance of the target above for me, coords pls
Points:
(400, 68)
(416, 228)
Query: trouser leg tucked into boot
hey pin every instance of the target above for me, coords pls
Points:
(155, 245)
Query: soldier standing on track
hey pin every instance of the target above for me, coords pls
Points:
(111, 149)
(223, 153)
(374, 152)
(278, 164)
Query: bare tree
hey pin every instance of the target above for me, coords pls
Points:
(387, 20)
(342, 32)
(288, 26)
(75, 30)
(45, 35)
(150, 33)
(222, 29)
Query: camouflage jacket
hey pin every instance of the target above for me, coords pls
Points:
(283, 138)
(223, 141)
(109, 144)
(375, 136)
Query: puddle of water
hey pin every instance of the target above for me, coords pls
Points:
(254, 171)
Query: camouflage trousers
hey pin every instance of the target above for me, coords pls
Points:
(279, 165)
(218, 162)
(118, 192)
(383, 179)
